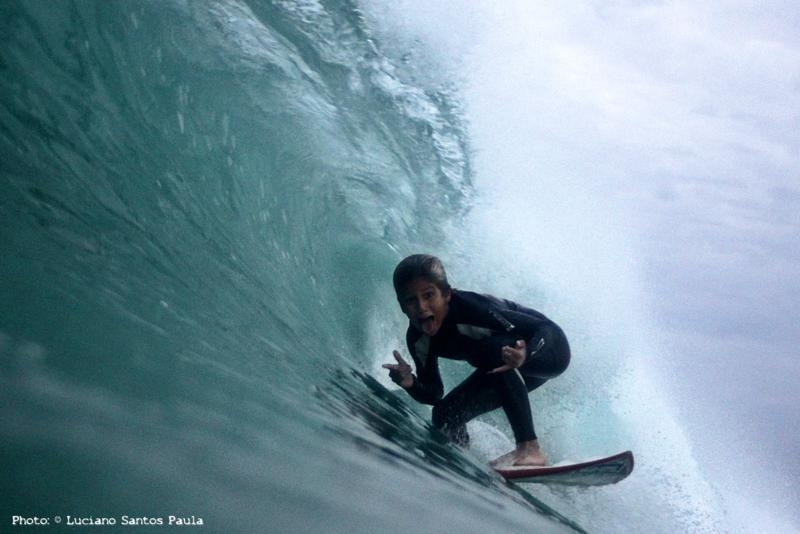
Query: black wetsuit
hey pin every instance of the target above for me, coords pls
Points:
(475, 329)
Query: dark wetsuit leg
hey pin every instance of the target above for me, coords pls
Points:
(481, 393)
(478, 394)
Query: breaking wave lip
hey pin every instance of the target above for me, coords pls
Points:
(178, 221)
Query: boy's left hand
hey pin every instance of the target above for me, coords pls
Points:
(513, 357)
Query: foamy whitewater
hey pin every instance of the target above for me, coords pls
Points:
(202, 204)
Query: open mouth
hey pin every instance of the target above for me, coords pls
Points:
(427, 323)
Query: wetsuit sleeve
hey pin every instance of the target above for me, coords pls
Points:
(428, 387)
(517, 320)
(532, 326)
(508, 320)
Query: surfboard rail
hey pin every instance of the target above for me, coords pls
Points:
(593, 472)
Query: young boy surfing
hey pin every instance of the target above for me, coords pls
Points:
(513, 348)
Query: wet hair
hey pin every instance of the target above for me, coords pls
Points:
(420, 266)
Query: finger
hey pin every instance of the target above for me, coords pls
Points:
(501, 369)
(391, 366)
(399, 358)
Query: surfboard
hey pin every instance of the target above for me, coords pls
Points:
(595, 472)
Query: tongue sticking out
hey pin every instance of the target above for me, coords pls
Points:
(427, 325)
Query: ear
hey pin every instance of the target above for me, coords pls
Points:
(446, 295)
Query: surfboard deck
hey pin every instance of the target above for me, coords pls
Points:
(596, 472)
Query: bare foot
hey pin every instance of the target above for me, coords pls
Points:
(526, 453)
(529, 453)
(506, 459)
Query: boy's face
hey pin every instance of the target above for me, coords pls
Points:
(425, 305)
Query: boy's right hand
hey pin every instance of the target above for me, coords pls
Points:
(400, 373)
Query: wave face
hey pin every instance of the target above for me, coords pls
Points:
(202, 206)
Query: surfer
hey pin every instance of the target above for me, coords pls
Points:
(513, 348)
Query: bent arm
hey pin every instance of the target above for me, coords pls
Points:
(426, 393)
(427, 387)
